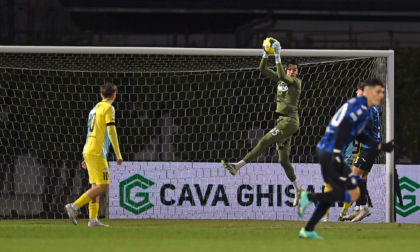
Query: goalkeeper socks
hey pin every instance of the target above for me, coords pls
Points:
(296, 185)
(93, 210)
(320, 211)
(239, 164)
(83, 200)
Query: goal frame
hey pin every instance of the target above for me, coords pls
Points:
(389, 94)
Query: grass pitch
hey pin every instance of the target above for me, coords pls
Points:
(203, 235)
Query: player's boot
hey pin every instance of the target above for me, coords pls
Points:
(308, 234)
(230, 167)
(351, 216)
(297, 196)
(71, 213)
(364, 212)
(342, 214)
(96, 223)
(304, 203)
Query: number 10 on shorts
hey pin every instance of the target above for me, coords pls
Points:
(106, 175)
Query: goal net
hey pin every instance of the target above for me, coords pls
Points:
(178, 113)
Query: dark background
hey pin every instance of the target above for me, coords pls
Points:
(339, 24)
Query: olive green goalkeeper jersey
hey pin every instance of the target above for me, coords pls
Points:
(288, 89)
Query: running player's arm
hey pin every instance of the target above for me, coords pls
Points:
(112, 131)
(341, 135)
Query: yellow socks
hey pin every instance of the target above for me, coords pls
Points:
(93, 210)
(325, 191)
(83, 200)
(347, 205)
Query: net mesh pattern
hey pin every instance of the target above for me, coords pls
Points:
(168, 108)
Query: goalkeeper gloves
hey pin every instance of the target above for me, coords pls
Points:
(277, 48)
(388, 147)
(265, 54)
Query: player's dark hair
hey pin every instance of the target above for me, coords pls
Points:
(108, 90)
(361, 85)
(292, 62)
(373, 82)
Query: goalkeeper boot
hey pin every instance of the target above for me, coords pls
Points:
(304, 203)
(96, 223)
(351, 216)
(342, 214)
(71, 213)
(297, 196)
(230, 167)
(309, 234)
(364, 212)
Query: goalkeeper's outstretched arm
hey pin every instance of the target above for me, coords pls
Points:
(267, 71)
(280, 70)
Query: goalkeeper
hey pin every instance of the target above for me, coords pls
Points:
(101, 132)
(288, 92)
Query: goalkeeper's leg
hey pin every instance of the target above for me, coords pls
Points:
(284, 153)
(285, 128)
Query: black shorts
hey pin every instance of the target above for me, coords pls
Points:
(337, 177)
(366, 159)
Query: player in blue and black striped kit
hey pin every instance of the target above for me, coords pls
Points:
(364, 163)
(345, 126)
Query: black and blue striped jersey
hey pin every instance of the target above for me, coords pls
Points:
(374, 131)
(354, 113)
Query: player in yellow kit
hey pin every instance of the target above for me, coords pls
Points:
(101, 133)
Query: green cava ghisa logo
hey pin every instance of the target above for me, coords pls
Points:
(412, 207)
(131, 204)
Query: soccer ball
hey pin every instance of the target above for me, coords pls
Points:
(267, 45)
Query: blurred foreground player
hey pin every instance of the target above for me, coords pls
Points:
(288, 93)
(101, 132)
(346, 125)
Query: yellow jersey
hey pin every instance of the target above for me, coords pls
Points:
(97, 141)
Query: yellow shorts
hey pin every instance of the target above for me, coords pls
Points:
(98, 169)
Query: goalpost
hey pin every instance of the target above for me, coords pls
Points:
(175, 105)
